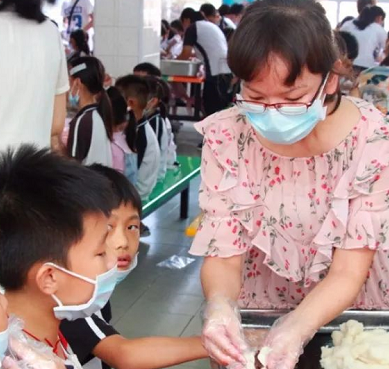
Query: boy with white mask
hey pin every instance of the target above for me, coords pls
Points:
(95, 342)
(53, 227)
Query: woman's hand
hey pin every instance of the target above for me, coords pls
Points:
(222, 333)
(285, 343)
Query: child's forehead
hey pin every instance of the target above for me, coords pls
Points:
(127, 210)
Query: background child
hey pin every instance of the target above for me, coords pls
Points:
(94, 337)
(156, 113)
(53, 226)
(148, 69)
(78, 45)
(124, 157)
(136, 92)
(90, 131)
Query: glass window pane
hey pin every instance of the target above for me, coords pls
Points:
(331, 8)
(347, 9)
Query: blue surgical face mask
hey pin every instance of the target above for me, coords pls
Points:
(104, 286)
(74, 100)
(121, 275)
(290, 126)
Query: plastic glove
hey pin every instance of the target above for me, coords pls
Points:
(25, 353)
(284, 343)
(223, 334)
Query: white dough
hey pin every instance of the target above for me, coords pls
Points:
(263, 354)
(250, 359)
(355, 348)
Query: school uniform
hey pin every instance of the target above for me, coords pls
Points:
(149, 157)
(83, 335)
(88, 141)
(158, 125)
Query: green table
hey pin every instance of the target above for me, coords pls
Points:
(177, 181)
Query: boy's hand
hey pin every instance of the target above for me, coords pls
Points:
(3, 313)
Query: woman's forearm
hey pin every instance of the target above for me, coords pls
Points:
(222, 277)
(337, 292)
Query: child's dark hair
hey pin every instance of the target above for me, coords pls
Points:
(133, 86)
(124, 191)
(237, 9)
(80, 37)
(121, 115)
(368, 16)
(28, 9)
(92, 77)
(208, 10)
(43, 201)
(192, 15)
(224, 10)
(296, 30)
(177, 24)
(348, 44)
(362, 4)
(160, 90)
(149, 69)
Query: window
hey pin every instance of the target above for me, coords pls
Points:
(337, 10)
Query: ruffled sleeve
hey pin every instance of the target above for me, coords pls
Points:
(220, 232)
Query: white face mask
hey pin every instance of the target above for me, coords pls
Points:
(104, 286)
(121, 275)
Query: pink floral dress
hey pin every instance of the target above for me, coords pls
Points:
(287, 215)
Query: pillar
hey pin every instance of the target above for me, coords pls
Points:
(127, 32)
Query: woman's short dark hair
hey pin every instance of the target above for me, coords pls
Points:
(191, 14)
(92, 77)
(298, 31)
(28, 9)
(368, 16)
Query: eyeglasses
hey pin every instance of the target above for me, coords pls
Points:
(290, 108)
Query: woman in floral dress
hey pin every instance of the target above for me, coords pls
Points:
(295, 188)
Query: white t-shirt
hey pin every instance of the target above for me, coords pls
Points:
(210, 45)
(81, 14)
(32, 71)
(370, 41)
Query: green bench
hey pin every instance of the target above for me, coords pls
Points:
(177, 181)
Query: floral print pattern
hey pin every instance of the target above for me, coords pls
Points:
(287, 215)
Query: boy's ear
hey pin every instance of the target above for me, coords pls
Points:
(131, 103)
(46, 279)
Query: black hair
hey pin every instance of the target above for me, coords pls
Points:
(28, 9)
(160, 90)
(368, 17)
(349, 44)
(192, 15)
(92, 77)
(164, 30)
(124, 191)
(224, 10)
(208, 10)
(362, 4)
(385, 62)
(81, 39)
(133, 86)
(44, 198)
(177, 24)
(148, 68)
(121, 115)
(237, 9)
(296, 30)
(346, 19)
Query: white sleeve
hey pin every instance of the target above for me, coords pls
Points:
(63, 77)
(382, 37)
(64, 6)
(148, 171)
(89, 7)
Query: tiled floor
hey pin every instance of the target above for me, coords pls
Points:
(159, 301)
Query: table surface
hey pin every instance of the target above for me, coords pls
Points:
(176, 179)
